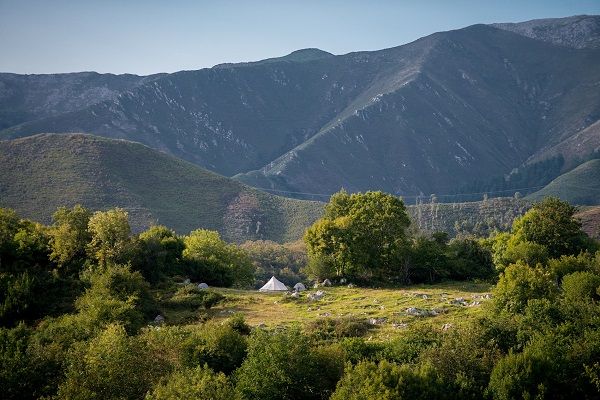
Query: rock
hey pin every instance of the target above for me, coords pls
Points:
(445, 327)
(326, 282)
(377, 321)
(399, 326)
(460, 301)
(425, 297)
(487, 296)
(295, 295)
(474, 304)
(420, 312)
(343, 281)
(159, 319)
(318, 295)
(351, 285)
(326, 314)
(187, 281)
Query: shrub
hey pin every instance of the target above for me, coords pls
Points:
(196, 383)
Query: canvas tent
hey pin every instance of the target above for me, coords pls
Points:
(299, 287)
(202, 286)
(273, 286)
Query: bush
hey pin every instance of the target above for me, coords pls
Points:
(196, 383)
(190, 297)
(337, 328)
(217, 345)
(112, 365)
(283, 365)
(388, 381)
(581, 286)
(520, 283)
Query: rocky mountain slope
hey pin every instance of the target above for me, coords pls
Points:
(425, 117)
(43, 172)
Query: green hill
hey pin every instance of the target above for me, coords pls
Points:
(578, 186)
(43, 172)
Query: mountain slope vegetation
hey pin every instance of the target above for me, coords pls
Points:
(426, 117)
(43, 172)
(579, 186)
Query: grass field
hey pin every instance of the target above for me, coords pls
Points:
(384, 309)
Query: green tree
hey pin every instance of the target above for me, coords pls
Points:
(196, 383)
(215, 262)
(361, 234)
(520, 283)
(110, 232)
(112, 365)
(69, 237)
(388, 381)
(160, 252)
(9, 225)
(283, 365)
(550, 223)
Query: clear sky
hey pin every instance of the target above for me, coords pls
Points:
(148, 36)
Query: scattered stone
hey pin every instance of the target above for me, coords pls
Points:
(159, 320)
(343, 281)
(460, 301)
(487, 296)
(318, 295)
(425, 297)
(474, 304)
(399, 326)
(377, 321)
(295, 295)
(326, 314)
(445, 327)
(326, 282)
(187, 281)
(351, 285)
(420, 312)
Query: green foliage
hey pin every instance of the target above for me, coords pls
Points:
(112, 365)
(219, 346)
(160, 252)
(117, 295)
(211, 260)
(581, 285)
(386, 381)
(550, 223)
(70, 237)
(520, 283)
(469, 259)
(110, 237)
(363, 234)
(274, 259)
(283, 366)
(196, 383)
(337, 328)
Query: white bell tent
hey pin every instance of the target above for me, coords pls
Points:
(273, 286)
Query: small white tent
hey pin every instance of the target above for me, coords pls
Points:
(299, 287)
(202, 286)
(273, 286)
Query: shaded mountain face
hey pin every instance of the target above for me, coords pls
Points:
(43, 172)
(425, 117)
(579, 31)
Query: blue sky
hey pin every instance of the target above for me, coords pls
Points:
(151, 36)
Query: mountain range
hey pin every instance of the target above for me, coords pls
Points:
(425, 117)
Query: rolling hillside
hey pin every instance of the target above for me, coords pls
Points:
(43, 172)
(426, 117)
(580, 186)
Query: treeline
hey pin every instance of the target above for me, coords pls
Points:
(539, 338)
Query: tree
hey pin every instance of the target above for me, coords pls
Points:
(520, 283)
(283, 365)
(160, 252)
(196, 383)
(110, 236)
(361, 234)
(215, 262)
(112, 365)
(386, 381)
(9, 225)
(550, 223)
(69, 237)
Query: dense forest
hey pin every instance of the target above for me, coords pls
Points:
(83, 301)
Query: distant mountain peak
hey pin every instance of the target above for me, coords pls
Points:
(302, 55)
(578, 31)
